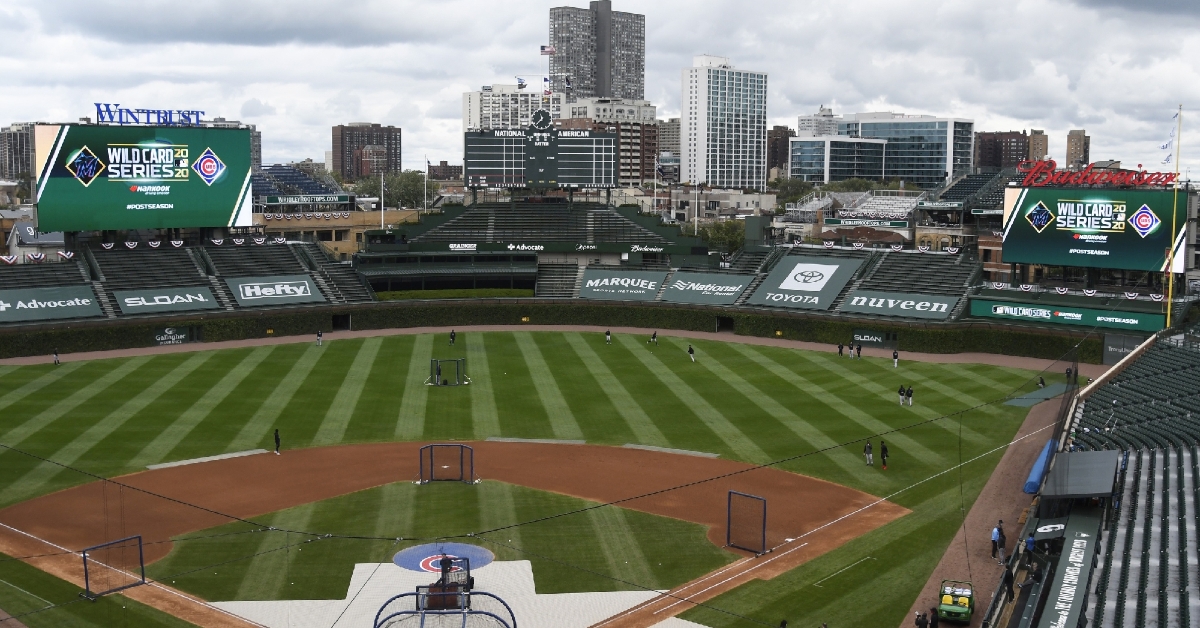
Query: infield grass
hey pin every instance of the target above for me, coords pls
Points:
(744, 402)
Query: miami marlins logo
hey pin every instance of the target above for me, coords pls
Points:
(1039, 217)
(85, 166)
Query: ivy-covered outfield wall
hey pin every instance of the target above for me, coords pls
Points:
(242, 324)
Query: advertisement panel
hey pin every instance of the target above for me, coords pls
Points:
(1117, 346)
(900, 304)
(805, 282)
(173, 335)
(1057, 314)
(274, 290)
(94, 177)
(873, 338)
(41, 304)
(621, 285)
(711, 288)
(1096, 227)
(165, 300)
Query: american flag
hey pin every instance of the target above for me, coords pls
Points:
(547, 50)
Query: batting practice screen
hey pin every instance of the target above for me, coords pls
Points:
(113, 566)
(746, 522)
(1094, 227)
(94, 177)
(540, 159)
(447, 463)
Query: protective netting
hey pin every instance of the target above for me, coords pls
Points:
(747, 521)
(113, 566)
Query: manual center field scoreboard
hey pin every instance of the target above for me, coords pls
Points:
(540, 157)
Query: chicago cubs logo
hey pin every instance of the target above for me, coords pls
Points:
(85, 166)
(208, 166)
(1144, 221)
(427, 558)
(432, 564)
(1039, 217)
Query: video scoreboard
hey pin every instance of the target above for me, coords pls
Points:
(540, 158)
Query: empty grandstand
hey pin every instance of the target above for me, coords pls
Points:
(584, 223)
(965, 187)
(43, 275)
(926, 273)
(289, 180)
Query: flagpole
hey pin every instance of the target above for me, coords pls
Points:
(1174, 209)
(426, 184)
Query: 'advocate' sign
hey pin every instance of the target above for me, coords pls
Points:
(1042, 173)
(35, 304)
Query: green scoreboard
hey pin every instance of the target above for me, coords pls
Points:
(540, 157)
(96, 177)
(1095, 227)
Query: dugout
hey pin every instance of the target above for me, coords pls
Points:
(1087, 477)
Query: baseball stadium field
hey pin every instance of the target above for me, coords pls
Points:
(352, 413)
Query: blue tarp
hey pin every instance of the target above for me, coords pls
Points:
(1039, 468)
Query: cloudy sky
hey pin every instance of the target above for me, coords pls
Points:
(294, 68)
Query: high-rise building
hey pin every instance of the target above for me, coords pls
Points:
(16, 150)
(1000, 149)
(819, 125)
(668, 136)
(835, 158)
(1039, 145)
(507, 107)
(723, 127)
(255, 138)
(777, 146)
(926, 151)
(599, 52)
(362, 149)
(1079, 148)
(636, 124)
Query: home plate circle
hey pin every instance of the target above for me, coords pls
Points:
(424, 558)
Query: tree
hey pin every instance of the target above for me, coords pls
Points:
(790, 190)
(725, 236)
(404, 189)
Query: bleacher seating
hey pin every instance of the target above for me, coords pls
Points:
(748, 262)
(532, 222)
(923, 273)
(965, 187)
(45, 275)
(290, 180)
(1146, 575)
(994, 196)
(556, 280)
(263, 185)
(342, 283)
(250, 261)
(145, 268)
(1157, 403)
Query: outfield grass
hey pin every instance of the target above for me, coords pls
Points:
(740, 401)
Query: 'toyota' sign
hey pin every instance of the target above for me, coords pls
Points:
(1043, 173)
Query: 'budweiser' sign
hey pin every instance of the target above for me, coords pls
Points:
(1042, 173)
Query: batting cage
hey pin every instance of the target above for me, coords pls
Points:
(447, 463)
(113, 566)
(471, 609)
(746, 522)
(451, 372)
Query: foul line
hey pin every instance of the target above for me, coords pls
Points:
(733, 577)
(149, 582)
(818, 582)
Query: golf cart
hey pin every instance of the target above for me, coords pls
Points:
(956, 601)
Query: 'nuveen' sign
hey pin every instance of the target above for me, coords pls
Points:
(900, 304)
(274, 291)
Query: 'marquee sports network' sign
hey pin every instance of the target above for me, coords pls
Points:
(803, 282)
(91, 177)
(1097, 228)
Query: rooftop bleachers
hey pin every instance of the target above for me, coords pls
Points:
(249, 261)
(925, 273)
(263, 185)
(965, 187)
(47, 275)
(995, 195)
(536, 222)
(293, 181)
(144, 268)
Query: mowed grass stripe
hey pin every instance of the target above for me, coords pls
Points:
(562, 420)
(815, 438)
(484, 415)
(923, 410)
(624, 556)
(274, 403)
(264, 576)
(838, 404)
(35, 385)
(498, 508)
(32, 481)
(410, 424)
(179, 429)
(395, 518)
(35, 424)
(639, 422)
(333, 427)
(734, 439)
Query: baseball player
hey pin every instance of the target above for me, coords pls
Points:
(452, 336)
(692, 353)
(56, 362)
(895, 359)
(859, 350)
(883, 454)
(867, 454)
(276, 441)
(908, 395)
(840, 349)
(653, 338)
(318, 337)
(901, 393)
(607, 337)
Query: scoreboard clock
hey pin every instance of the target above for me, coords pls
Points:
(540, 157)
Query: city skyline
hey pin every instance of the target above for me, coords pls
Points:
(365, 62)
